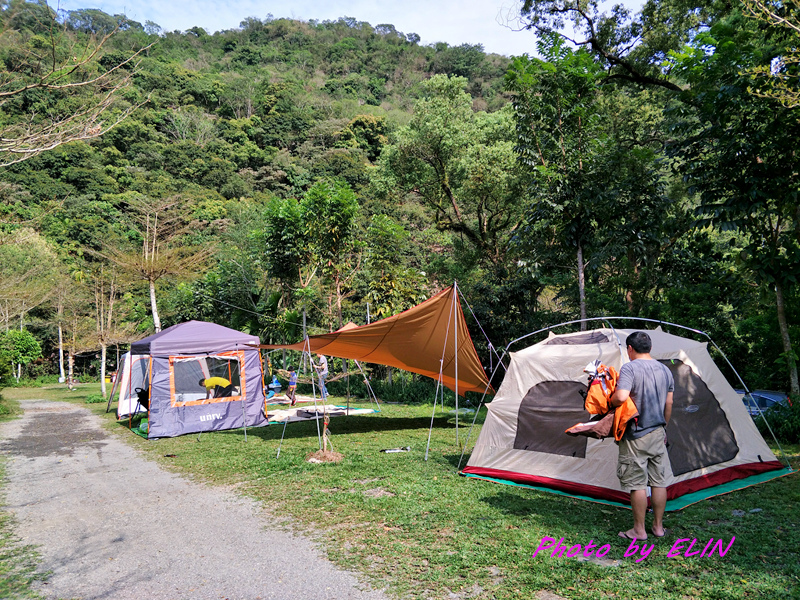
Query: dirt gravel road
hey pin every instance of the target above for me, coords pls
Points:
(111, 524)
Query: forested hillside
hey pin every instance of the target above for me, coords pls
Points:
(344, 169)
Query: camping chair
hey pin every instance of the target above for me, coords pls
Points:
(143, 397)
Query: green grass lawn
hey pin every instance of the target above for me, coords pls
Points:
(420, 530)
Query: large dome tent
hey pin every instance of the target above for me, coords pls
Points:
(714, 446)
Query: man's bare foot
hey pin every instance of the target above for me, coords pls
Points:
(631, 535)
(659, 532)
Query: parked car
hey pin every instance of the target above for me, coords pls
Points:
(764, 400)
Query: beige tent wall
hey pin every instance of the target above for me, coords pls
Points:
(494, 448)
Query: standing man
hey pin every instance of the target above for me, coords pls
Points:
(643, 458)
(322, 370)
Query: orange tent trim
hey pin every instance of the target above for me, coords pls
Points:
(415, 340)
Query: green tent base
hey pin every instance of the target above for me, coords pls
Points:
(139, 428)
(675, 504)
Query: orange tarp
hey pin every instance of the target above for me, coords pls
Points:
(415, 340)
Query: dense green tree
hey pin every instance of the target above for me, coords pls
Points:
(394, 282)
(329, 211)
(461, 166)
(560, 141)
(20, 348)
(738, 151)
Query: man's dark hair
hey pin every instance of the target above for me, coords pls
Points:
(290, 369)
(202, 382)
(640, 342)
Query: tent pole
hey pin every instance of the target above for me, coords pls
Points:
(244, 406)
(433, 414)
(313, 389)
(440, 381)
(370, 391)
(244, 418)
(285, 423)
(305, 337)
(455, 338)
(111, 395)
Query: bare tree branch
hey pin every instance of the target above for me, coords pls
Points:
(70, 69)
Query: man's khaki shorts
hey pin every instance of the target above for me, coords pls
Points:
(644, 462)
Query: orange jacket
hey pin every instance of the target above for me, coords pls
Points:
(598, 401)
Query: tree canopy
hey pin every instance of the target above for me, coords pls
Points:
(635, 163)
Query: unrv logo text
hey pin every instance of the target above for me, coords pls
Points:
(211, 417)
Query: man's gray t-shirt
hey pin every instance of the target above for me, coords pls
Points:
(649, 382)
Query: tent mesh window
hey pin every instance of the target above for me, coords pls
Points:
(698, 434)
(546, 412)
(189, 372)
(595, 337)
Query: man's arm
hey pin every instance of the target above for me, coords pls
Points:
(668, 408)
(619, 397)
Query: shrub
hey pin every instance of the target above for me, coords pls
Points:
(30, 382)
(784, 420)
(95, 399)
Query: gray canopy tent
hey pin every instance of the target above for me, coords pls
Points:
(179, 357)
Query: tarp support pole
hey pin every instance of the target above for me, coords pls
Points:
(440, 381)
(433, 414)
(370, 391)
(455, 338)
(285, 423)
(490, 346)
(313, 386)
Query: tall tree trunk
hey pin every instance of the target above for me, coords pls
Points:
(339, 301)
(103, 348)
(154, 306)
(71, 369)
(62, 375)
(582, 286)
(787, 341)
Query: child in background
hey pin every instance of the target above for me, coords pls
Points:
(292, 385)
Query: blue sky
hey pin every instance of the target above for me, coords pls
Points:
(452, 21)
